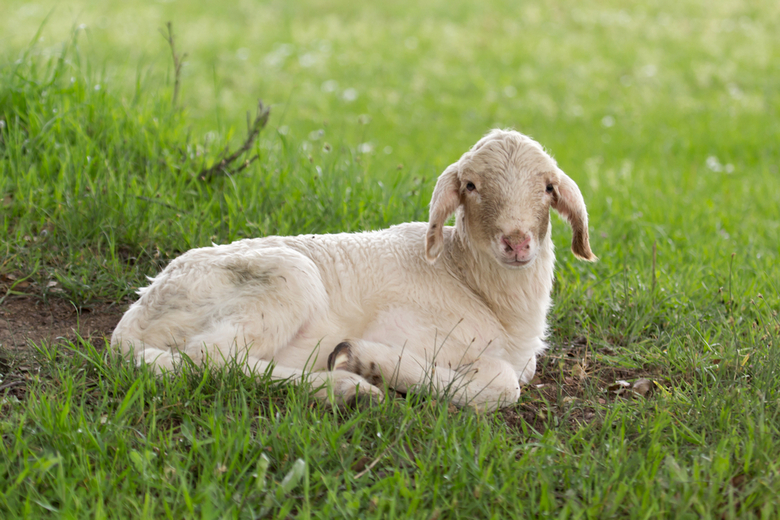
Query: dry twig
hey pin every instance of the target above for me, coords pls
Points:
(225, 165)
(10, 385)
(178, 61)
(384, 452)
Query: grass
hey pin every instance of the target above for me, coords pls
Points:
(664, 113)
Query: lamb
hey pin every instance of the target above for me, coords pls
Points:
(457, 309)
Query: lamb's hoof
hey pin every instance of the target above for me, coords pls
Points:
(364, 399)
(350, 391)
(341, 357)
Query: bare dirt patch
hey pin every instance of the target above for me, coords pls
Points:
(575, 387)
(29, 319)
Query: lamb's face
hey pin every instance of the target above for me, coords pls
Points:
(507, 186)
(503, 189)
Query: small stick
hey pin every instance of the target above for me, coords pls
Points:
(381, 455)
(10, 385)
(153, 201)
(178, 61)
(655, 243)
(224, 165)
(731, 267)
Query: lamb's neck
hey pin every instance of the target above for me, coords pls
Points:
(514, 295)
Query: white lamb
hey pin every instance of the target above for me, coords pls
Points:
(460, 309)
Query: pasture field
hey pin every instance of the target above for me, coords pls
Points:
(667, 115)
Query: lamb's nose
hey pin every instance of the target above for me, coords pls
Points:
(516, 242)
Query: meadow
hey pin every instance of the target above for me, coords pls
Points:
(667, 115)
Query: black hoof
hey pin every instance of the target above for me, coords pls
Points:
(341, 348)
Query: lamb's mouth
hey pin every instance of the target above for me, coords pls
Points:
(514, 262)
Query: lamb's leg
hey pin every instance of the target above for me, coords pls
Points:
(486, 383)
(338, 387)
(232, 297)
(219, 304)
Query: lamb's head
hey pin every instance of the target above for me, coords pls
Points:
(503, 189)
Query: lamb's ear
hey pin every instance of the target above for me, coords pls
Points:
(444, 202)
(568, 202)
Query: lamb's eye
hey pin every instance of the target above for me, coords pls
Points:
(470, 186)
(549, 188)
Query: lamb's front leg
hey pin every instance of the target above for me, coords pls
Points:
(486, 383)
(338, 387)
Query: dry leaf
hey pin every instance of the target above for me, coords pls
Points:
(618, 387)
(361, 464)
(642, 387)
(578, 371)
(738, 480)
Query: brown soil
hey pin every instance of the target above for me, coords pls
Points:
(29, 319)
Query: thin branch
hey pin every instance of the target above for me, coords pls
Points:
(384, 452)
(161, 203)
(225, 165)
(652, 292)
(10, 385)
(178, 61)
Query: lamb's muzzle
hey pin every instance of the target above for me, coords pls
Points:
(458, 310)
(518, 249)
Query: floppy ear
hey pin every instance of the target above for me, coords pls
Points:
(444, 202)
(568, 202)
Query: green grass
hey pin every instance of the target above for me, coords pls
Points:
(97, 437)
(665, 113)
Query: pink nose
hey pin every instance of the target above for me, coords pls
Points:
(516, 243)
